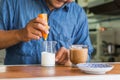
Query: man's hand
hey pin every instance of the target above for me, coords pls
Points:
(33, 30)
(63, 57)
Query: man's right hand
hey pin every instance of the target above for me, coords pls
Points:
(33, 30)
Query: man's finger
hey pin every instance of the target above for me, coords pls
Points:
(39, 20)
(40, 27)
(59, 53)
(36, 32)
(63, 57)
(63, 62)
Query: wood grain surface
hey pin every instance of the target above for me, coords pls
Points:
(32, 71)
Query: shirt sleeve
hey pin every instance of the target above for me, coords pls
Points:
(6, 14)
(81, 35)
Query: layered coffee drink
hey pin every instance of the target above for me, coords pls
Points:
(78, 54)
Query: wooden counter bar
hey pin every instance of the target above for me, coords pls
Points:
(33, 72)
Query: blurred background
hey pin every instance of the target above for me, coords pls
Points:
(104, 29)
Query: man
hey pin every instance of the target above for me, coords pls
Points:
(20, 29)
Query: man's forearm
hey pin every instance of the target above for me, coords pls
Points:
(8, 38)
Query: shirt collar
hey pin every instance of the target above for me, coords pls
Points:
(65, 6)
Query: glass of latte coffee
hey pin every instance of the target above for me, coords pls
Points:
(78, 54)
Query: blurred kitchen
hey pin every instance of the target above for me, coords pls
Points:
(104, 27)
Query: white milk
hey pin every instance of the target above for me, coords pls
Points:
(48, 59)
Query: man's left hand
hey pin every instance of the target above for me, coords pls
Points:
(63, 57)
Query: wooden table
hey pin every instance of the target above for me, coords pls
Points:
(33, 72)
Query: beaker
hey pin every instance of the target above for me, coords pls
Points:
(48, 53)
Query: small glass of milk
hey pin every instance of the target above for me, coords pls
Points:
(48, 53)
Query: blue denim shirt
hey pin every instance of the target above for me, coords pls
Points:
(68, 25)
